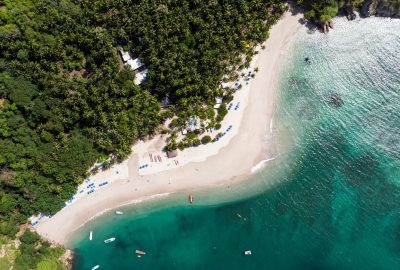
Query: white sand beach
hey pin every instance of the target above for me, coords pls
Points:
(222, 163)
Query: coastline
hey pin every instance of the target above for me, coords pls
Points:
(231, 164)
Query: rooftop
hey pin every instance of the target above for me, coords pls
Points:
(140, 76)
(134, 64)
(125, 55)
(218, 102)
(225, 85)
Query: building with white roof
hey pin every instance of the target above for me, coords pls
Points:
(140, 76)
(134, 64)
(125, 56)
(218, 102)
(225, 84)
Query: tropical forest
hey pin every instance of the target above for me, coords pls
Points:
(67, 101)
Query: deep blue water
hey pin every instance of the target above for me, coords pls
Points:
(337, 204)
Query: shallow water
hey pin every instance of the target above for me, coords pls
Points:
(337, 204)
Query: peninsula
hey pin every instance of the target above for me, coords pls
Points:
(222, 167)
(104, 104)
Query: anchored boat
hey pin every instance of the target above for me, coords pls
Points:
(119, 212)
(95, 267)
(109, 240)
(139, 252)
(190, 198)
(91, 235)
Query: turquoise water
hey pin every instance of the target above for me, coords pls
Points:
(337, 204)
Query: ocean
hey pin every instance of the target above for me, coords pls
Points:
(335, 201)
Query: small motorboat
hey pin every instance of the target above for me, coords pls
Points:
(109, 240)
(95, 267)
(119, 212)
(91, 235)
(247, 253)
(190, 198)
(139, 252)
(238, 215)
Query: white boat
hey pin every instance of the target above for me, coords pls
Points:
(95, 267)
(91, 235)
(247, 252)
(109, 240)
(190, 198)
(119, 212)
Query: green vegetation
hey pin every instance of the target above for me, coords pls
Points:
(30, 253)
(206, 139)
(9, 251)
(37, 254)
(66, 102)
(321, 11)
(222, 112)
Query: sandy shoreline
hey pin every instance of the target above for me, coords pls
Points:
(232, 163)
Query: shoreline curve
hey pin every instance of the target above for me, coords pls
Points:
(232, 164)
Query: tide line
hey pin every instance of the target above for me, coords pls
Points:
(260, 165)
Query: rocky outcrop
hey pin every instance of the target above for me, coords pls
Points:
(326, 26)
(383, 8)
(349, 12)
(336, 100)
(67, 258)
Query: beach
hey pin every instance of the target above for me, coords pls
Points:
(329, 200)
(214, 165)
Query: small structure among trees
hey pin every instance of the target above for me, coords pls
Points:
(140, 76)
(218, 102)
(134, 64)
(125, 56)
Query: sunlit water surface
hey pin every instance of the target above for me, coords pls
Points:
(337, 203)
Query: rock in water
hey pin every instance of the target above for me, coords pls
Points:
(383, 8)
(326, 27)
(336, 100)
(350, 13)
